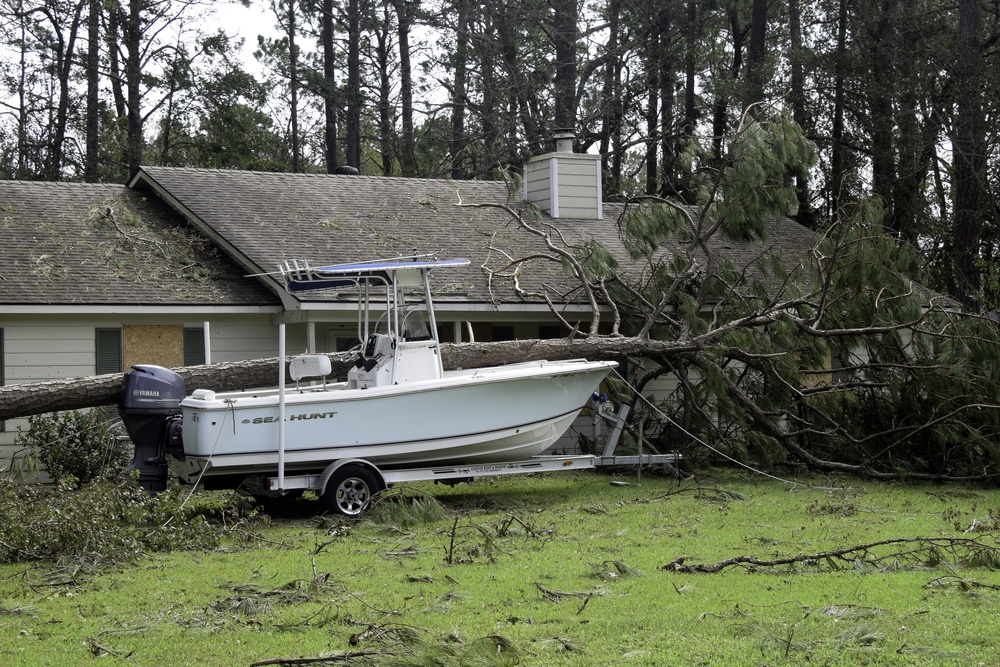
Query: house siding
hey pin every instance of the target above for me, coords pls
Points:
(538, 184)
(565, 185)
(50, 347)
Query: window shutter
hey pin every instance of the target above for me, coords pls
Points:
(194, 346)
(109, 351)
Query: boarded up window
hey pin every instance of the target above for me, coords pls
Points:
(159, 344)
(109, 351)
(194, 346)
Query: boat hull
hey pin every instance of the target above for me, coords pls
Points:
(478, 416)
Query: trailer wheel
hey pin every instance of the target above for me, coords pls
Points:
(350, 490)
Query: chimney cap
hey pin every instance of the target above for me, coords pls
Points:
(564, 138)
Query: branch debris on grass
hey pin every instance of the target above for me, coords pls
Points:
(927, 551)
(553, 595)
(329, 659)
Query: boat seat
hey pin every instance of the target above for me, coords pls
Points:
(310, 366)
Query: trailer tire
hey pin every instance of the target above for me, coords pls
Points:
(350, 490)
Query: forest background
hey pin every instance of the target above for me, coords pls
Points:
(896, 96)
(866, 120)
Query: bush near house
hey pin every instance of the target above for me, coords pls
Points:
(79, 446)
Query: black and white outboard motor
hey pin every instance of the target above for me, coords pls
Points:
(150, 409)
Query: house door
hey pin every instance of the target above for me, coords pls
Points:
(159, 344)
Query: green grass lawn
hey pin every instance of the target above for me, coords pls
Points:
(561, 569)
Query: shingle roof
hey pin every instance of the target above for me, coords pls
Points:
(329, 219)
(94, 244)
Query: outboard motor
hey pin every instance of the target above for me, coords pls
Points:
(150, 409)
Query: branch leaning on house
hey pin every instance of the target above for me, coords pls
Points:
(558, 254)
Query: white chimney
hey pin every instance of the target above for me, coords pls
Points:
(565, 184)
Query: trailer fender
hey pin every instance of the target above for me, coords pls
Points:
(340, 463)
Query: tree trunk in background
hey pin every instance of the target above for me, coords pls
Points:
(91, 162)
(837, 167)
(883, 122)
(406, 12)
(652, 105)
(329, 88)
(690, 61)
(353, 156)
(720, 121)
(611, 104)
(564, 27)
(132, 33)
(459, 92)
(668, 80)
(757, 53)
(507, 34)
(970, 153)
(797, 99)
(384, 85)
(64, 55)
(491, 104)
(293, 86)
(114, 65)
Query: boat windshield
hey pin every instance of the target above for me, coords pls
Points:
(414, 319)
(415, 323)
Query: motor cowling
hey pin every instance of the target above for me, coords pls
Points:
(150, 403)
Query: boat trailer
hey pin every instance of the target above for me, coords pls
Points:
(347, 486)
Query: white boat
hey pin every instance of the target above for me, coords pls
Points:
(397, 408)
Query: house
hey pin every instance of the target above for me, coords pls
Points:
(95, 278)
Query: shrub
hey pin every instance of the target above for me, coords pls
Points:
(107, 523)
(83, 445)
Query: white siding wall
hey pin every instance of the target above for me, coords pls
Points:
(538, 184)
(579, 187)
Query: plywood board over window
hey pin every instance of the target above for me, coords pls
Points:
(159, 344)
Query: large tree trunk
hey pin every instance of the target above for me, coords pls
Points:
(23, 400)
